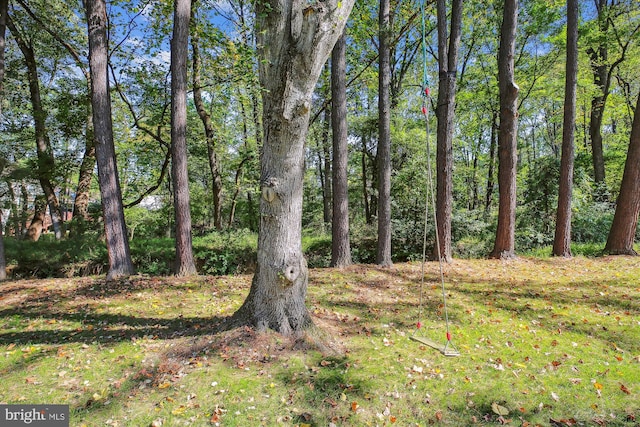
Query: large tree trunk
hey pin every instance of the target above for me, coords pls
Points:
(562, 239)
(625, 220)
(504, 246)
(46, 162)
(184, 263)
(216, 184)
(447, 64)
(340, 244)
(120, 264)
(383, 253)
(295, 40)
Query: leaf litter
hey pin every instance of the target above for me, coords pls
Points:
(562, 334)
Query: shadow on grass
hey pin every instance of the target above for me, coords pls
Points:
(44, 303)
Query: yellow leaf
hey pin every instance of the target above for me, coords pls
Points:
(164, 385)
(597, 385)
(179, 410)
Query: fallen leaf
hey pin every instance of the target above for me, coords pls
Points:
(624, 389)
(354, 406)
(499, 409)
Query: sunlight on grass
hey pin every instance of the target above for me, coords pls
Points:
(542, 342)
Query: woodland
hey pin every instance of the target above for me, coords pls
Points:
(515, 122)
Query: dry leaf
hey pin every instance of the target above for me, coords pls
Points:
(354, 406)
(624, 389)
(499, 409)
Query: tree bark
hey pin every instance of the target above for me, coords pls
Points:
(340, 243)
(210, 135)
(383, 252)
(504, 246)
(295, 40)
(562, 239)
(120, 264)
(46, 162)
(184, 262)
(37, 222)
(447, 64)
(625, 220)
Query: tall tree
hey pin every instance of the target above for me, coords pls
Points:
(85, 174)
(603, 65)
(625, 220)
(383, 252)
(46, 162)
(120, 264)
(205, 117)
(448, 46)
(340, 243)
(562, 239)
(184, 263)
(504, 246)
(295, 39)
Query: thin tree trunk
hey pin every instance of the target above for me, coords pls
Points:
(295, 41)
(383, 253)
(216, 184)
(184, 263)
(46, 162)
(492, 161)
(507, 138)
(625, 220)
(562, 239)
(120, 264)
(326, 174)
(340, 244)
(85, 175)
(447, 61)
(24, 212)
(365, 189)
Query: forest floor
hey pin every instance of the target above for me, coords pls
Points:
(548, 342)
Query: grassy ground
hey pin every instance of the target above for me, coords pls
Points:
(546, 342)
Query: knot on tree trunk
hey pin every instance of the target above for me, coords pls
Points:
(293, 270)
